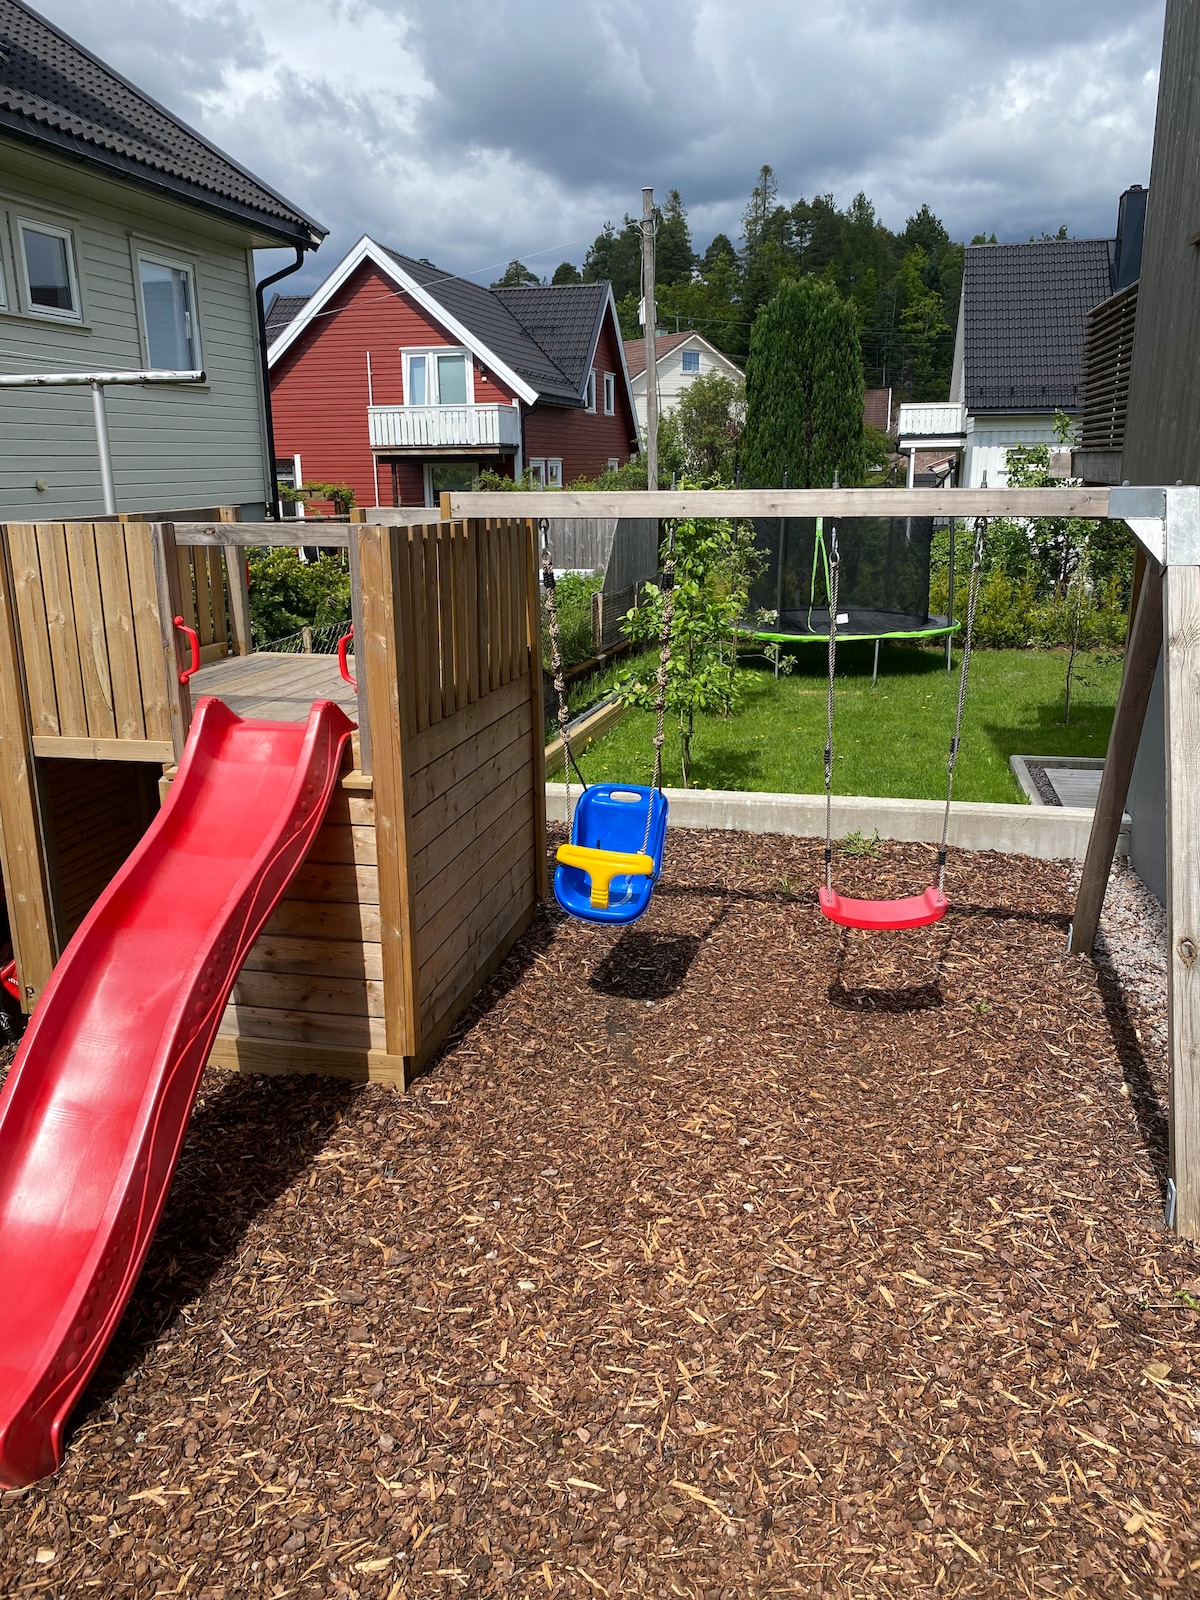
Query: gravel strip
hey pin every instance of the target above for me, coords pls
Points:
(730, 1255)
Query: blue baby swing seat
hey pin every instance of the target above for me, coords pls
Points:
(604, 875)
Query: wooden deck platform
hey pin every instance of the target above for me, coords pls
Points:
(279, 688)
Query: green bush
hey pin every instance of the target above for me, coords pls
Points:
(573, 600)
(287, 594)
(1010, 616)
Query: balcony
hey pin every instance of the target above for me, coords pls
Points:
(418, 430)
(937, 423)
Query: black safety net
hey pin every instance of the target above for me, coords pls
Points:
(883, 582)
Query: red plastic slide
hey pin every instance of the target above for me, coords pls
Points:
(96, 1106)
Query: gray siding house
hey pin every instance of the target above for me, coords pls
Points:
(126, 245)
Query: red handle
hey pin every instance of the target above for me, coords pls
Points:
(8, 977)
(195, 644)
(343, 646)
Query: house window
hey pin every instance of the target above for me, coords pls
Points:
(610, 394)
(614, 464)
(448, 477)
(437, 378)
(48, 263)
(536, 468)
(689, 361)
(553, 473)
(169, 315)
(590, 401)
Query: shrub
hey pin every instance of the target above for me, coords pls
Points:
(573, 601)
(287, 594)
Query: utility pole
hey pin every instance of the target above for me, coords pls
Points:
(650, 313)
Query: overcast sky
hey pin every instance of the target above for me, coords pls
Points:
(472, 131)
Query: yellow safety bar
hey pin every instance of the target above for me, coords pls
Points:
(602, 866)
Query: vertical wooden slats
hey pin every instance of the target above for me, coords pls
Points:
(117, 615)
(24, 859)
(533, 624)
(515, 586)
(473, 615)
(60, 623)
(164, 553)
(445, 597)
(433, 640)
(35, 632)
(458, 542)
(414, 548)
(92, 645)
(149, 630)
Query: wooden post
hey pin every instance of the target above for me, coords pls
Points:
(238, 589)
(30, 910)
(354, 561)
(534, 620)
(379, 667)
(1137, 677)
(169, 594)
(1181, 602)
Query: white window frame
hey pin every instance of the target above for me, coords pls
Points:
(554, 473)
(692, 372)
(536, 468)
(431, 353)
(427, 470)
(614, 463)
(50, 313)
(4, 305)
(610, 394)
(589, 401)
(157, 259)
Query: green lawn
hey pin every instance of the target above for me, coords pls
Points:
(891, 740)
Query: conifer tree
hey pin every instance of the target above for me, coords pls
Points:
(804, 390)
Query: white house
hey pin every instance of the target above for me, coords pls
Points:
(678, 358)
(1018, 355)
(126, 253)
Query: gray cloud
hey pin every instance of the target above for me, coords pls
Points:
(474, 130)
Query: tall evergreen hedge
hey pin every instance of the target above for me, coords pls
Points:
(804, 391)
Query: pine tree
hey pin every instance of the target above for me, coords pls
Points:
(804, 390)
(567, 272)
(515, 275)
(674, 257)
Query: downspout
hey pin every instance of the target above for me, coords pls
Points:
(273, 509)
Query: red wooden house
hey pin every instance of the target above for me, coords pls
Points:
(402, 381)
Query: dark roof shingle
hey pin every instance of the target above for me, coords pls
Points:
(284, 308)
(635, 350)
(1025, 321)
(544, 334)
(57, 94)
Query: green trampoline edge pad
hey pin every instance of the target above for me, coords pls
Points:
(845, 637)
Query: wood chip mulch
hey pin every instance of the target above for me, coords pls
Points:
(731, 1254)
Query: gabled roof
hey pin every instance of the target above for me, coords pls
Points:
(284, 308)
(1025, 310)
(541, 341)
(56, 94)
(664, 344)
(494, 325)
(564, 319)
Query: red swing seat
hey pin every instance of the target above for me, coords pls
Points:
(916, 911)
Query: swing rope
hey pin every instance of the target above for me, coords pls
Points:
(834, 563)
(556, 667)
(973, 586)
(664, 662)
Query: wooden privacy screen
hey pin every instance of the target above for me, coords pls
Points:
(100, 669)
(426, 873)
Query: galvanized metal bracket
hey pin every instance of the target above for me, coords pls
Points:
(1165, 522)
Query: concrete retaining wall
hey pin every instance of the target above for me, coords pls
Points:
(1052, 833)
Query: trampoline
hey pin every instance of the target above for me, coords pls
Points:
(883, 589)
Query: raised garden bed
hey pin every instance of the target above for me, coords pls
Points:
(732, 1255)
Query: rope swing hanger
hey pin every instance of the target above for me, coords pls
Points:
(913, 911)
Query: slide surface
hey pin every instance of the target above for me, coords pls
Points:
(96, 1106)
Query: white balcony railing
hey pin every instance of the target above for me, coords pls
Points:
(922, 420)
(494, 427)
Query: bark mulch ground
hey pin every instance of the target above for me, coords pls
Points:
(729, 1255)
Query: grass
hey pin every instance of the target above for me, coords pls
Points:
(891, 740)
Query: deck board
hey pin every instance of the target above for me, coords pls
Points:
(280, 688)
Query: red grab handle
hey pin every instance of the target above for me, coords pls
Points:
(195, 644)
(343, 646)
(8, 977)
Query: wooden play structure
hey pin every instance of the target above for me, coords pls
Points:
(431, 859)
